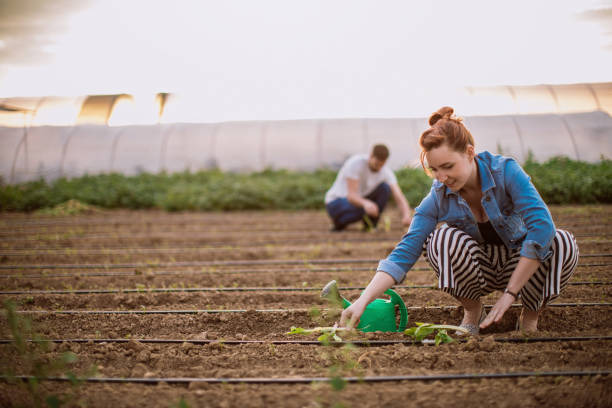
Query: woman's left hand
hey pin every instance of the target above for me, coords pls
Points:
(497, 312)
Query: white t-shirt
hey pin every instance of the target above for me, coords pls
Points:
(356, 167)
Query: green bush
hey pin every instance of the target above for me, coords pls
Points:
(564, 181)
(559, 181)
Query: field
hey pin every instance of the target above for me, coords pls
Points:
(193, 309)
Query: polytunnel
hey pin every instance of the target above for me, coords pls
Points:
(68, 137)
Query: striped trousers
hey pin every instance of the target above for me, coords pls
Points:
(469, 270)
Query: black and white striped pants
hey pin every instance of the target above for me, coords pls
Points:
(469, 270)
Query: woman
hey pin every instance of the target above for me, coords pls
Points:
(497, 233)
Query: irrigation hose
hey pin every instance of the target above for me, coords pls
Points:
(217, 311)
(209, 246)
(314, 342)
(308, 380)
(220, 263)
(237, 289)
(16, 234)
(201, 263)
(230, 272)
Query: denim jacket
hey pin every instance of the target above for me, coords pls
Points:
(513, 205)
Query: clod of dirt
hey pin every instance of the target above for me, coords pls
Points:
(186, 347)
(471, 345)
(144, 356)
(139, 370)
(201, 336)
(488, 344)
(135, 345)
(198, 386)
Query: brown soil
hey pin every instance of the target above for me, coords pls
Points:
(151, 237)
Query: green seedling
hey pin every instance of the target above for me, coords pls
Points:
(387, 223)
(369, 224)
(422, 330)
(328, 334)
(31, 358)
(181, 404)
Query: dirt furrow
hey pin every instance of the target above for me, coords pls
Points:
(357, 275)
(135, 359)
(532, 392)
(258, 300)
(556, 321)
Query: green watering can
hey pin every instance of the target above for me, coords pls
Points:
(379, 315)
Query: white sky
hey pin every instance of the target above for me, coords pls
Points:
(283, 59)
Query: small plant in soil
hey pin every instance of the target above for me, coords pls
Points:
(328, 334)
(32, 362)
(181, 404)
(422, 330)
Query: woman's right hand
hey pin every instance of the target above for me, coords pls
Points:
(351, 315)
(377, 286)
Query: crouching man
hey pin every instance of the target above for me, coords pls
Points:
(361, 191)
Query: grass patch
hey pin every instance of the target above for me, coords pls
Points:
(70, 207)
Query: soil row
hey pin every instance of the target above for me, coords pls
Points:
(116, 249)
(136, 359)
(221, 236)
(554, 321)
(315, 255)
(273, 276)
(258, 299)
(533, 392)
(114, 218)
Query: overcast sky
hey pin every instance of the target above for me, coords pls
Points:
(283, 59)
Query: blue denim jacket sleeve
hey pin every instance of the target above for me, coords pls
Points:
(408, 251)
(528, 203)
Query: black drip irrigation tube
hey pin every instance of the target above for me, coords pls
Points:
(220, 263)
(229, 245)
(123, 250)
(216, 311)
(238, 289)
(372, 343)
(202, 263)
(224, 272)
(24, 234)
(230, 272)
(308, 380)
(205, 233)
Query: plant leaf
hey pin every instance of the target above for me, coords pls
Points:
(338, 383)
(69, 357)
(53, 401)
(296, 330)
(443, 337)
(72, 378)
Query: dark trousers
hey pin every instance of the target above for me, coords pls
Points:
(343, 213)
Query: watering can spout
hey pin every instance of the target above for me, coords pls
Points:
(331, 293)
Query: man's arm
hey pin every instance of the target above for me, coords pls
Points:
(354, 198)
(402, 204)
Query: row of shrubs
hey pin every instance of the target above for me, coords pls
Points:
(559, 181)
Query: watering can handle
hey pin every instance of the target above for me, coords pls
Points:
(397, 300)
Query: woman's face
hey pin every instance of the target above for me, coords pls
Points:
(450, 167)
